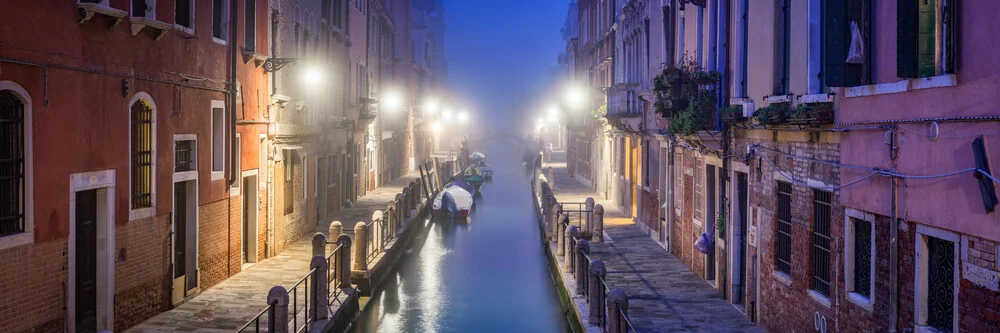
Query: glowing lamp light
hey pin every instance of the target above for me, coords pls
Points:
(463, 117)
(312, 76)
(431, 106)
(575, 96)
(436, 127)
(446, 115)
(392, 100)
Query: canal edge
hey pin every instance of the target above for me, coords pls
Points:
(558, 277)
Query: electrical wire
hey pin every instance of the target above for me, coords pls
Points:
(927, 134)
(836, 164)
(792, 179)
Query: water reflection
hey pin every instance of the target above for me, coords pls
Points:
(491, 278)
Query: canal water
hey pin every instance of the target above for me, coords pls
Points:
(487, 275)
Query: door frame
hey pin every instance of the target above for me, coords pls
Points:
(103, 181)
(180, 177)
(733, 224)
(256, 217)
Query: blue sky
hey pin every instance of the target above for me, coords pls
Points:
(500, 53)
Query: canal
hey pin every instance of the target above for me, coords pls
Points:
(489, 274)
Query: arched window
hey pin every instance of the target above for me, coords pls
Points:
(13, 174)
(141, 113)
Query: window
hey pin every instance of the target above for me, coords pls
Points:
(326, 10)
(144, 8)
(821, 242)
(289, 190)
(669, 34)
(859, 252)
(184, 15)
(220, 19)
(238, 150)
(218, 139)
(645, 163)
(250, 28)
(837, 19)
(296, 40)
(783, 239)
(185, 156)
(12, 165)
(782, 47)
(142, 154)
(926, 38)
(699, 190)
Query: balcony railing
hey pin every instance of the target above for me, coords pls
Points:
(369, 108)
(623, 100)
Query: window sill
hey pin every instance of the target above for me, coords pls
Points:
(87, 11)
(219, 41)
(860, 300)
(816, 98)
(218, 175)
(778, 99)
(819, 298)
(925, 329)
(23, 238)
(782, 277)
(141, 213)
(940, 81)
(185, 31)
(138, 23)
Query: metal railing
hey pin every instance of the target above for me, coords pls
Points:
(379, 233)
(333, 264)
(306, 312)
(254, 323)
(578, 213)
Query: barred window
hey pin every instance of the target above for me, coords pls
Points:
(862, 259)
(12, 169)
(142, 154)
(940, 284)
(783, 239)
(821, 242)
(184, 156)
(289, 192)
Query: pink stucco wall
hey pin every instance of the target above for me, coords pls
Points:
(953, 203)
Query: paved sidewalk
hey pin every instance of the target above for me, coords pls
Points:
(664, 294)
(230, 304)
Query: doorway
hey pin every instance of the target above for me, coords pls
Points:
(91, 255)
(185, 240)
(710, 217)
(250, 228)
(740, 238)
(86, 261)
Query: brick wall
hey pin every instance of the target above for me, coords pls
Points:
(143, 278)
(213, 243)
(235, 234)
(32, 288)
(290, 227)
(649, 209)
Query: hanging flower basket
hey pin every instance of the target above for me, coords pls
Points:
(812, 114)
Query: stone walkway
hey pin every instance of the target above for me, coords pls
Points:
(664, 294)
(230, 304)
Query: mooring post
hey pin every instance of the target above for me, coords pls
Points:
(336, 229)
(582, 269)
(277, 318)
(589, 204)
(319, 244)
(617, 310)
(320, 294)
(553, 219)
(597, 234)
(561, 237)
(570, 251)
(595, 292)
(361, 246)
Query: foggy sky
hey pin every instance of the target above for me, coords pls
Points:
(501, 53)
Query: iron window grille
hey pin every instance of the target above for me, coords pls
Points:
(940, 284)
(783, 241)
(12, 185)
(289, 184)
(142, 155)
(821, 242)
(184, 156)
(862, 257)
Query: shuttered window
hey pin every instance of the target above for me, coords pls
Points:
(837, 38)
(926, 37)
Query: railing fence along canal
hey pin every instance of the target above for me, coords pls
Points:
(572, 237)
(313, 296)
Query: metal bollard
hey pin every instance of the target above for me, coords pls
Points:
(616, 319)
(345, 262)
(320, 294)
(597, 234)
(582, 271)
(570, 251)
(595, 292)
(277, 318)
(361, 247)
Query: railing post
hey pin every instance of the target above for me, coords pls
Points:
(597, 234)
(582, 250)
(361, 248)
(400, 215)
(553, 220)
(589, 204)
(595, 292)
(318, 244)
(571, 232)
(345, 261)
(561, 237)
(320, 288)
(277, 318)
(616, 319)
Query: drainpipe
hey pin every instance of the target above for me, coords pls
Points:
(893, 240)
(233, 173)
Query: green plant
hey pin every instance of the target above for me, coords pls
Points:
(680, 86)
(600, 111)
(772, 114)
(720, 224)
(697, 116)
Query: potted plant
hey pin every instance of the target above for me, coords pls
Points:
(771, 114)
(732, 114)
(685, 93)
(817, 113)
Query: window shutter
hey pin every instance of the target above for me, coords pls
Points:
(951, 24)
(906, 38)
(837, 42)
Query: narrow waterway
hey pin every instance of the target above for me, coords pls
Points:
(489, 274)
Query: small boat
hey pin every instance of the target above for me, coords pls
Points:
(453, 201)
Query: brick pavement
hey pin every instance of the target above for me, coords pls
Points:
(230, 304)
(664, 294)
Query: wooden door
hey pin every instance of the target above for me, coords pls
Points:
(86, 261)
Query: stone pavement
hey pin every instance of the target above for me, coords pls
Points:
(664, 294)
(230, 304)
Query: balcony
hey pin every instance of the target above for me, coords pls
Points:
(368, 110)
(624, 106)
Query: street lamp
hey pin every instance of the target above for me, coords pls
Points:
(446, 115)
(575, 96)
(463, 117)
(392, 100)
(312, 76)
(431, 106)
